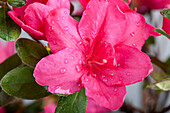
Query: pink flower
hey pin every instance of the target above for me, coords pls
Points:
(93, 107)
(145, 5)
(50, 108)
(31, 16)
(6, 50)
(101, 53)
(2, 110)
(166, 22)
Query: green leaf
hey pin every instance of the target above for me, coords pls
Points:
(5, 98)
(165, 13)
(9, 64)
(158, 74)
(16, 3)
(20, 82)
(163, 85)
(9, 30)
(75, 103)
(162, 32)
(30, 52)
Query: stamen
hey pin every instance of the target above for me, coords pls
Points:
(104, 61)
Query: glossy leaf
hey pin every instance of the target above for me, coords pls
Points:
(75, 103)
(162, 32)
(158, 74)
(9, 64)
(30, 52)
(20, 82)
(16, 3)
(166, 13)
(5, 98)
(9, 30)
(164, 85)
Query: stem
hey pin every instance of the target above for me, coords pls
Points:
(162, 65)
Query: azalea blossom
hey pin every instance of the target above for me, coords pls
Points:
(166, 22)
(50, 108)
(101, 53)
(31, 16)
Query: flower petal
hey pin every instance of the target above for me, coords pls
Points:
(137, 30)
(110, 97)
(59, 4)
(103, 20)
(132, 66)
(33, 32)
(35, 14)
(61, 71)
(61, 30)
(166, 22)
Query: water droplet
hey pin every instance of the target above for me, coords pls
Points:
(78, 69)
(105, 80)
(72, 57)
(112, 74)
(51, 28)
(103, 76)
(80, 62)
(132, 34)
(65, 61)
(118, 65)
(79, 85)
(62, 70)
(63, 18)
(65, 12)
(134, 45)
(119, 82)
(115, 90)
(66, 28)
(86, 79)
(54, 42)
(128, 74)
(79, 43)
(138, 24)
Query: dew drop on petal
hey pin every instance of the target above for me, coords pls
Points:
(65, 61)
(132, 34)
(118, 65)
(52, 22)
(115, 90)
(79, 43)
(65, 12)
(57, 19)
(86, 79)
(134, 45)
(103, 76)
(63, 18)
(128, 74)
(72, 58)
(78, 69)
(94, 75)
(80, 62)
(138, 24)
(54, 42)
(105, 80)
(62, 70)
(112, 74)
(51, 28)
(66, 28)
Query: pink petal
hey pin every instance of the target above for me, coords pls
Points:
(61, 30)
(33, 32)
(108, 24)
(166, 22)
(50, 108)
(59, 4)
(132, 66)
(93, 107)
(35, 14)
(137, 30)
(84, 3)
(110, 97)
(61, 71)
